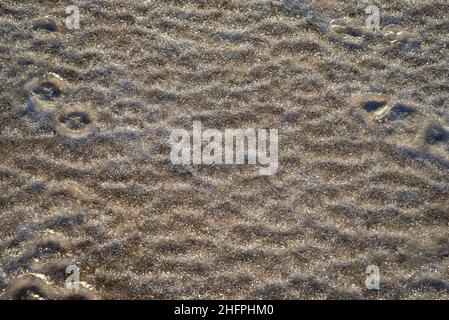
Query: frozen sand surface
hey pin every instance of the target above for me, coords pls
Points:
(86, 178)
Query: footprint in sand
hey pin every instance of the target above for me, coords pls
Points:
(45, 92)
(398, 111)
(45, 24)
(435, 134)
(46, 260)
(373, 102)
(384, 108)
(349, 31)
(396, 33)
(48, 103)
(30, 287)
(47, 244)
(74, 122)
(405, 122)
(435, 138)
(38, 287)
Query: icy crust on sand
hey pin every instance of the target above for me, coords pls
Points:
(86, 178)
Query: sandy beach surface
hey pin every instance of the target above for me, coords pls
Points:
(86, 178)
